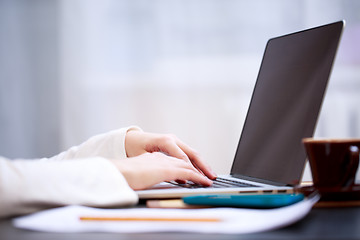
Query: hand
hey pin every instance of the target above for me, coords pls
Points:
(148, 169)
(138, 142)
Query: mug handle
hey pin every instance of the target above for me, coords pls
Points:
(354, 155)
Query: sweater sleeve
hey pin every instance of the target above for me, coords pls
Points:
(108, 145)
(85, 178)
(31, 185)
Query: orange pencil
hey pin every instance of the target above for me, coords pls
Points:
(151, 219)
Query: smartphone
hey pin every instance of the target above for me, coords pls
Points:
(261, 201)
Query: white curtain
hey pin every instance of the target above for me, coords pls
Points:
(186, 67)
(29, 79)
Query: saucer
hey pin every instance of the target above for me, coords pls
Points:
(351, 193)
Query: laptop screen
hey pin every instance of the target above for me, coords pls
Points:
(285, 104)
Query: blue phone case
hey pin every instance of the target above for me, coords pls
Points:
(246, 201)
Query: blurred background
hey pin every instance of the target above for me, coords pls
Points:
(70, 69)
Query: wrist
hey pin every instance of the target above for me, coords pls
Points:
(126, 170)
(132, 142)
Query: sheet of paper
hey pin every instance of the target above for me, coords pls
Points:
(233, 220)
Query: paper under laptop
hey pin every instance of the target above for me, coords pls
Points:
(284, 108)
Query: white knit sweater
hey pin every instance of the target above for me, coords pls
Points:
(81, 175)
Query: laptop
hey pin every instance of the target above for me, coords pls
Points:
(284, 108)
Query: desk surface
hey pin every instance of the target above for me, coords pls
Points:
(321, 223)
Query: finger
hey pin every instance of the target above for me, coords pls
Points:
(174, 147)
(196, 160)
(168, 145)
(184, 171)
(189, 175)
(185, 157)
(180, 181)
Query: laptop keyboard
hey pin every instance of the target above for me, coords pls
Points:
(218, 183)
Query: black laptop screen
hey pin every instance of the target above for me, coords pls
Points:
(285, 104)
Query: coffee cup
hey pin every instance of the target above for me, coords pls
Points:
(333, 162)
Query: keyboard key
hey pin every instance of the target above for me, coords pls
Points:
(218, 183)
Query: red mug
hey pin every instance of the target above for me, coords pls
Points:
(333, 162)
